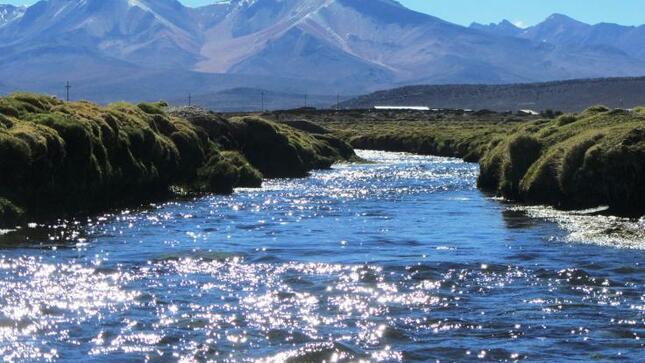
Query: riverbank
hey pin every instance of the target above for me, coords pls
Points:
(594, 158)
(59, 158)
(584, 160)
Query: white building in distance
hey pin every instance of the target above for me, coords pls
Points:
(402, 108)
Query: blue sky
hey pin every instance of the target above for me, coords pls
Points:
(523, 12)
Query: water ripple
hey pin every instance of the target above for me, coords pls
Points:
(399, 260)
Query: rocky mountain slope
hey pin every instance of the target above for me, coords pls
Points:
(10, 12)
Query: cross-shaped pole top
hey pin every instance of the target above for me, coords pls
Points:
(67, 88)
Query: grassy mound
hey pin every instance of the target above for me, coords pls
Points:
(306, 126)
(58, 157)
(276, 150)
(75, 156)
(575, 161)
(468, 140)
(281, 151)
(581, 160)
(225, 171)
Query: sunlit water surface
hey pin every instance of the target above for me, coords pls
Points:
(400, 260)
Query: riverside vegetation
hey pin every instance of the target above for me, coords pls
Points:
(70, 157)
(58, 157)
(593, 158)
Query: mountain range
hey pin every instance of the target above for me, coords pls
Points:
(152, 49)
(565, 32)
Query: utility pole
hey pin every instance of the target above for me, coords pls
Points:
(190, 100)
(306, 96)
(67, 88)
(262, 102)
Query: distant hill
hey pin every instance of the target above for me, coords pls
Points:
(573, 95)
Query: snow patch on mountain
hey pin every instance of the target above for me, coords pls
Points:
(10, 13)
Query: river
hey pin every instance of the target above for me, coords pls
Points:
(402, 259)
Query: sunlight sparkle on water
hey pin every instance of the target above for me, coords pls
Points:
(399, 260)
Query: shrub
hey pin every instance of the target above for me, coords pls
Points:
(596, 109)
(570, 177)
(523, 151)
(540, 183)
(225, 171)
(153, 108)
(490, 170)
(281, 151)
(566, 119)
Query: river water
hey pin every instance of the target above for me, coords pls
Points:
(399, 260)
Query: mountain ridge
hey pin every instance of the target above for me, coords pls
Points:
(563, 31)
(314, 46)
(10, 12)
